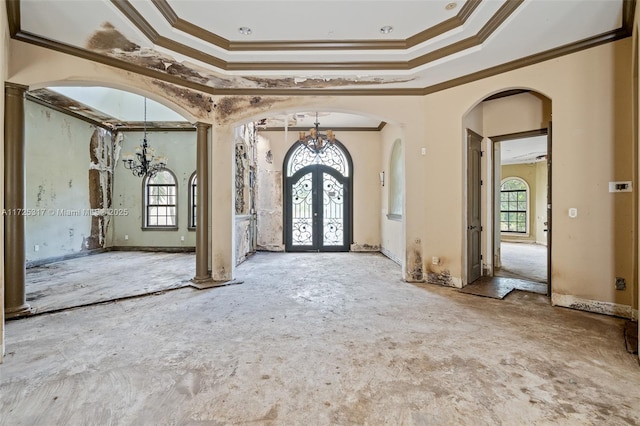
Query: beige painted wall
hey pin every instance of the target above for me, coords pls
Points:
(4, 61)
(364, 148)
(587, 255)
(180, 149)
(514, 114)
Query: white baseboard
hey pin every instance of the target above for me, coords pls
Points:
(390, 255)
(598, 307)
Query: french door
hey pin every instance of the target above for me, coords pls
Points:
(318, 208)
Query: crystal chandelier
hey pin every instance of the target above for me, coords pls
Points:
(316, 142)
(144, 161)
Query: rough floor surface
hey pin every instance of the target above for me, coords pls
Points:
(319, 339)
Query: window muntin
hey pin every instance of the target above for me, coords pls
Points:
(333, 157)
(514, 206)
(161, 200)
(193, 200)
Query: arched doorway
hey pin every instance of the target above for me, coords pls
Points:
(318, 199)
(509, 227)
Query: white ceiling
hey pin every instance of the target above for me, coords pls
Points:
(524, 150)
(198, 40)
(121, 105)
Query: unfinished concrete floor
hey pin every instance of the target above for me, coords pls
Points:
(523, 261)
(106, 276)
(319, 339)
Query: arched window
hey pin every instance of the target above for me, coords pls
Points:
(514, 206)
(160, 200)
(396, 181)
(193, 198)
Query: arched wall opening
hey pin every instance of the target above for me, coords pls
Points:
(521, 117)
(90, 203)
(368, 145)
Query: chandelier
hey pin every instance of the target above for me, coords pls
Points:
(316, 142)
(144, 161)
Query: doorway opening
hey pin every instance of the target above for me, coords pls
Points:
(318, 213)
(521, 200)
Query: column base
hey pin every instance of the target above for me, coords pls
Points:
(205, 283)
(23, 310)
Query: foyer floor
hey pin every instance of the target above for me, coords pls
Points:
(322, 339)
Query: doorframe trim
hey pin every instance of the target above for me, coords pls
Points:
(508, 137)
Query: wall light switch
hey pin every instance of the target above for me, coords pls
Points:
(423, 151)
(573, 212)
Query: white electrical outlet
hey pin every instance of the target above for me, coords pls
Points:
(126, 237)
(182, 238)
(36, 248)
(435, 260)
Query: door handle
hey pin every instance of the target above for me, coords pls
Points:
(471, 228)
(315, 214)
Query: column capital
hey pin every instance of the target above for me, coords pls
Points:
(15, 89)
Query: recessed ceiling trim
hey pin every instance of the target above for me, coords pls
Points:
(452, 23)
(608, 37)
(180, 24)
(13, 12)
(492, 24)
(196, 31)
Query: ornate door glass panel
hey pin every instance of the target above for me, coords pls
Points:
(302, 211)
(333, 211)
(317, 199)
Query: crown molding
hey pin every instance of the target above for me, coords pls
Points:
(13, 12)
(236, 46)
(136, 18)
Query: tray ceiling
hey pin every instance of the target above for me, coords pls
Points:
(308, 47)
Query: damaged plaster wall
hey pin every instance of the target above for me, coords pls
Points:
(58, 204)
(269, 202)
(126, 230)
(245, 167)
(365, 150)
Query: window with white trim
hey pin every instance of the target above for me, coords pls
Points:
(193, 197)
(160, 200)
